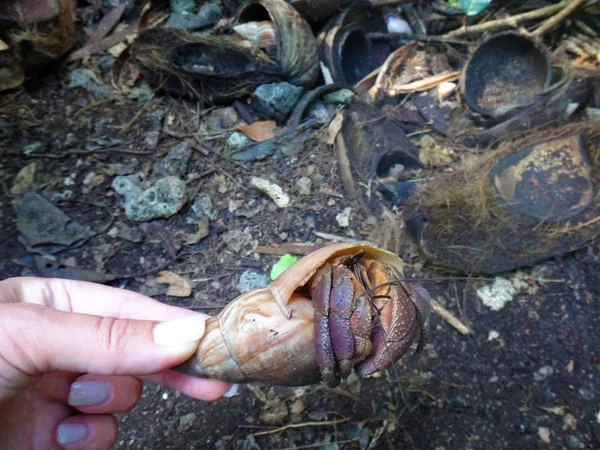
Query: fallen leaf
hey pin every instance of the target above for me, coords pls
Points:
(108, 22)
(259, 131)
(279, 267)
(334, 128)
(178, 286)
(3, 46)
(24, 179)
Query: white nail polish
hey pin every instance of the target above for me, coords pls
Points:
(180, 331)
(233, 390)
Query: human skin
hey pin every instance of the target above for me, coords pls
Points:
(72, 354)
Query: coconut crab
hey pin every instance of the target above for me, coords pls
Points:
(340, 307)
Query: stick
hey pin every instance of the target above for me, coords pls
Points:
(284, 249)
(300, 425)
(450, 318)
(509, 22)
(558, 18)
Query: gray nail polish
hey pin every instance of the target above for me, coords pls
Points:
(89, 393)
(67, 433)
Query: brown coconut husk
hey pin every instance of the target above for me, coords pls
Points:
(462, 224)
(155, 52)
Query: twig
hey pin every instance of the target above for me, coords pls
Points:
(558, 18)
(338, 238)
(508, 22)
(301, 425)
(88, 152)
(139, 113)
(450, 318)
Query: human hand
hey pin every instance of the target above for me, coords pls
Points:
(73, 353)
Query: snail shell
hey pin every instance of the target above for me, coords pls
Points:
(263, 33)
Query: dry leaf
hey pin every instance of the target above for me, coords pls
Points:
(24, 179)
(178, 286)
(334, 128)
(259, 131)
(3, 46)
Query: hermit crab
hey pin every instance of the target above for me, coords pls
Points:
(341, 307)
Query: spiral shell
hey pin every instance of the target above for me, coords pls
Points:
(262, 33)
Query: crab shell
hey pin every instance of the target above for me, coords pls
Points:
(268, 335)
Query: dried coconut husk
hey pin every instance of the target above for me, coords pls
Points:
(212, 68)
(35, 41)
(461, 222)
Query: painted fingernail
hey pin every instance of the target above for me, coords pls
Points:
(180, 331)
(89, 393)
(231, 391)
(67, 433)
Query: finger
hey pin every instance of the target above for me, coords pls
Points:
(61, 341)
(199, 388)
(95, 394)
(89, 432)
(55, 386)
(87, 298)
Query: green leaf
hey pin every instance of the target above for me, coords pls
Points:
(284, 262)
(473, 7)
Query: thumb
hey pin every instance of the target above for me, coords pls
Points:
(36, 340)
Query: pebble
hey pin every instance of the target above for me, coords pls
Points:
(250, 280)
(543, 373)
(182, 6)
(238, 140)
(493, 335)
(497, 295)
(175, 162)
(544, 434)
(186, 422)
(276, 100)
(343, 218)
(304, 185)
(24, 179)
(142, 92)
(87, 80)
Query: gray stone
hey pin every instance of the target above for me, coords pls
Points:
(151, 139)
(165, 198)
(182, 6)
(203, 206)
(256, 152)
(175, 162)
(87, 80)
(141, 92)
(43, 225)
(186, 422)
(276, 100)
(105, 62)
(35, 147)
(238, 140)
(304, 185)
(250, 280)
(345, 96)
(208, 15)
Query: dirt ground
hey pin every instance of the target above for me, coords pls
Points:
(528, 377)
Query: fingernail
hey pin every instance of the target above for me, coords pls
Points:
(89, 393)
(180, 331)
(67, 433)
(231, 391)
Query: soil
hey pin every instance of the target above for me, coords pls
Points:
(535, 385)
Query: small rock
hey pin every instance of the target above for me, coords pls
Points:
(131, 234)
(71, 140)
(598, 416)
(219, 120)
(250, 280)
(445, 90)
(24, 179)
(497, 295)
(304, 185)
(93, 179)
(575, 443)
(186, 422)
(255, 152)
(35, 147)
(343, 218)
(86, 79)
(165, 198)
(142, 92)
(238, 140)
(276, 100)
(493, 335)
(175, 163)
(151, 139)
(203, 206)
(544, 434)
(570, 422)
(297, 407)
(208, 14)
(543, 373)
(273, 190)
(182, 6)
(106, 62)
(431, 154)
(119, 169)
